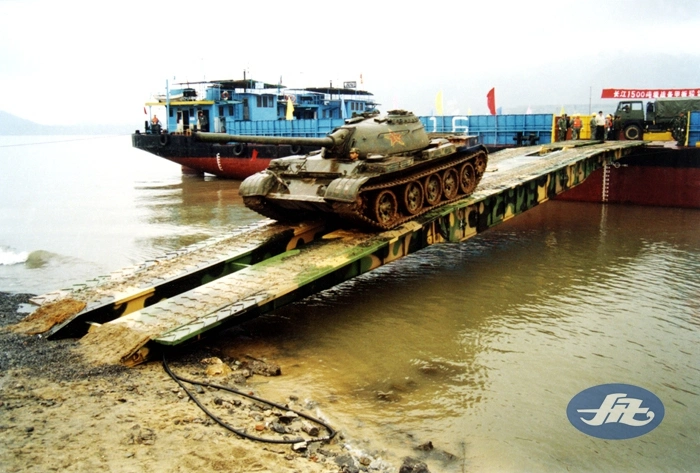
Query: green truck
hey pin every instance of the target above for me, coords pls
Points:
(660, 115)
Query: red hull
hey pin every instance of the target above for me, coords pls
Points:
(227, 168)
(669, 179)
(228, 161)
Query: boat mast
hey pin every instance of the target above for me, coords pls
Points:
(167, 106)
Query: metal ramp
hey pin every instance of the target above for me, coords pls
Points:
(268, 268)
(65, 313)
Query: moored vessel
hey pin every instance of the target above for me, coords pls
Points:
(243, 107)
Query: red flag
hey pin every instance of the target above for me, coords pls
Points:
(491, 101)
(144, 111)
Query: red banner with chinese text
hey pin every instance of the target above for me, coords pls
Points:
(650, 93)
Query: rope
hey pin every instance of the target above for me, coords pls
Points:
(180, 381)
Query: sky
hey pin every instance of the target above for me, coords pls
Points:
(72, 61)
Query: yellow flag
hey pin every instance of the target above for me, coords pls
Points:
(290, 109)
(438, 104)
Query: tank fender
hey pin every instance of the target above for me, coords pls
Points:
(344, 189)
(259, 184)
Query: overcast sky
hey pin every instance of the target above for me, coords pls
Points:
(72, 61)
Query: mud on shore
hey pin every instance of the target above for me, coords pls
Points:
(60, 413)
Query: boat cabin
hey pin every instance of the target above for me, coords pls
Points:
(233, 106)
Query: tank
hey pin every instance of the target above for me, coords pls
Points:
(375, 171)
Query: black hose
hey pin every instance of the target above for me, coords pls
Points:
(180, 380)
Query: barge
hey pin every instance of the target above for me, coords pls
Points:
(658, 174)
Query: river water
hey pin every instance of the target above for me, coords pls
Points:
(476, 347)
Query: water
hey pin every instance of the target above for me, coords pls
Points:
(477, 347)
(75, 207)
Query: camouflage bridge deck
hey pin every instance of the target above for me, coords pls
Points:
(263, 266)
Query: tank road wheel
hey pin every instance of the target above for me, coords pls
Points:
(385, 207)
(433, 189)
(467, 178)
(633, 132)
(480, 164)
(450, 183)
(413, 197)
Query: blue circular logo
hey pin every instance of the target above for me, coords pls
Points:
(615, 411)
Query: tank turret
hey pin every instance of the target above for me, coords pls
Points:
(376, 171)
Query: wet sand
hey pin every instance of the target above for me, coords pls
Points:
(60, 413)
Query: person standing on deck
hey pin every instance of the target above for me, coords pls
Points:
(678, 128)
(562, 125)
(616, 127)
(592, 126)
(202, 121)
(600, 126)
(576, 128)
(155, 125)
(609, 127)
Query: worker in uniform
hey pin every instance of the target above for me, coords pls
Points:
(592, 127)
(608, 127)
(617, 127)
(562, 125)
(678, 129)
(576, 128)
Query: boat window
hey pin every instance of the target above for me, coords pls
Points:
(221, 110)
(265, 101)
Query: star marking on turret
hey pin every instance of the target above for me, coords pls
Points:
(395, 138)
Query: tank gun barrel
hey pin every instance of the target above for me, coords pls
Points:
(327, 141)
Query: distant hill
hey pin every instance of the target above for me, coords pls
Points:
(14, 125)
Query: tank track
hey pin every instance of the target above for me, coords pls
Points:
(356, 212)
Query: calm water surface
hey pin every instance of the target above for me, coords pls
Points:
(477, 347)
(74, 207)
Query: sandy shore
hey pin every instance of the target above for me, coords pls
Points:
(60, 413)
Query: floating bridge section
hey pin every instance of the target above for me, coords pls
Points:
(260, 267)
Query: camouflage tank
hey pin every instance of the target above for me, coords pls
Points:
(376, 171)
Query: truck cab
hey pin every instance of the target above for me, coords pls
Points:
(631, 117)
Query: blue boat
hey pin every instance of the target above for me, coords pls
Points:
(242, 107)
